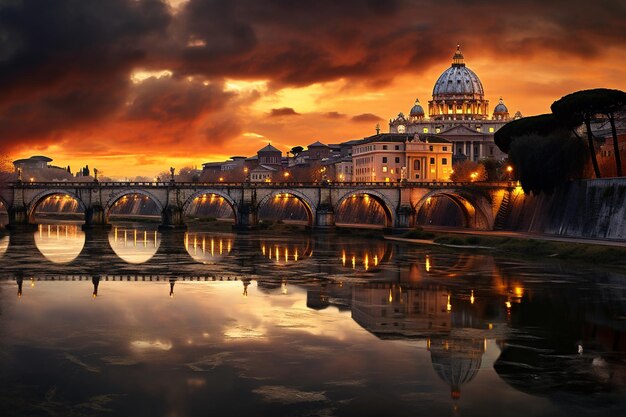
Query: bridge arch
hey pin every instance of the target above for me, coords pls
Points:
(472, 206)
(39, 198)
(188, 203)
(133, 191)
(309, 207)
(380, 198)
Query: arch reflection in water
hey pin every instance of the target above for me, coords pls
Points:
(207, 247)
(134, 245)
(363, 258)
(59, 243)
(286, 252)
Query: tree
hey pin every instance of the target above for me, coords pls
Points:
(469, 171)
(544, 162)
(582, 106)
(296, 150)
(542, 124)
(543, 151)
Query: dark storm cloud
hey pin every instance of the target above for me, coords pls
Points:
(167, 99)
(366, 117)
(283, 111)
(66, 64)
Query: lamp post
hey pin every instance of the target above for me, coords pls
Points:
(172, 170)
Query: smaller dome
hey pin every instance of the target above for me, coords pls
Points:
(417, 110)
(500, 107)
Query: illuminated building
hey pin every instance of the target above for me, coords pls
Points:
(459, 113)
(391, 157)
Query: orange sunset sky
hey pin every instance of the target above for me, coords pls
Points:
(133, 87)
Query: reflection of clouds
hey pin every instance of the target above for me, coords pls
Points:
(134, 246)
(75, 360)
(4, 244)
(59, 243)
(286, 395)
(242, 332)
(151, 345)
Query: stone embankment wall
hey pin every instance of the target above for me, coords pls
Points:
(587, 208)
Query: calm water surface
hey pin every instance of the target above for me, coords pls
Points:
(135, 322)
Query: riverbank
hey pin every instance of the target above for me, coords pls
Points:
(603, 253)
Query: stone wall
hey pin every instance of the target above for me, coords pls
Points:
(587, 208)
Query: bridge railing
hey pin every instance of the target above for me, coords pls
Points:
(285, 184)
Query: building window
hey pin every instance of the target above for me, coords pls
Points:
(437, 130)
(432, 161)
(430, 148)
(491, 130)
(444, 161)
(417, 165)
(397, 147)
(425, 130)
(384, 169)
(397, 159)
(384, 147)
(478, 129)
(491, 150)
(445, 148)
(417, 176)
(384, 159)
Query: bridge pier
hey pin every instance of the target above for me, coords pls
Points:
(95, 218)
(247, 217)
(324, 218)
(172, 218)
(18, 219)
(405, 217)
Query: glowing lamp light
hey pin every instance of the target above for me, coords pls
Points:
(509, 169)
(221, 179)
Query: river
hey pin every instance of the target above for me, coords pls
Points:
(132, 321)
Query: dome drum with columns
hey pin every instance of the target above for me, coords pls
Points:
(458, 112)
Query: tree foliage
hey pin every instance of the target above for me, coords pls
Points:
(581, 107)
(544, 162)
(542, 124)
(463, 172)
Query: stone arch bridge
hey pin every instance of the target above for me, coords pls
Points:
(480, 202)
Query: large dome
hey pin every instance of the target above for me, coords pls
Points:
(458, 81)
(458, 93)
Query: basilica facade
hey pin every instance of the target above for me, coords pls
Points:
(458, 112)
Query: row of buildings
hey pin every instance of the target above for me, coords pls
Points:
(416, 148)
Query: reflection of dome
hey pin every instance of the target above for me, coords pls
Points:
(417, 110)
(456, 361)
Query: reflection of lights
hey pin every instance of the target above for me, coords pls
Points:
(375, 260)
(353, 262)
(343, 257)
(507, 303)
(283, 287)
(366, 262)
(390, 296)
(472, 297)
(448, 305)
(427, 263)
(519, 292)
